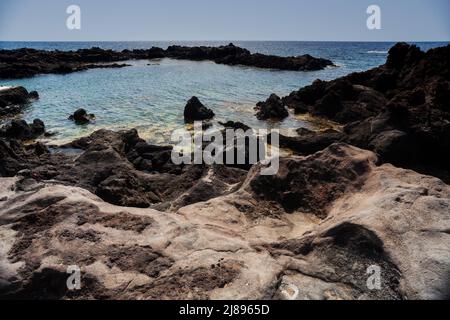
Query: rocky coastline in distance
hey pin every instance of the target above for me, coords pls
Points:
(141, 227)
(22, 63)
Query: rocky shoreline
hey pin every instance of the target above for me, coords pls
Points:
(12, 99)
(223, 228)
(400, 110)
(22, 63)
(141, 227)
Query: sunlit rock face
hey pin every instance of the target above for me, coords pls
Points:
(310, 232)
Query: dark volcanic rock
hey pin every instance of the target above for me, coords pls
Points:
(206, 53)
(401, 110)
(309, 142)
(339, 100)
(196, 111)
(235, 125)
(81, 117)
(403, 54)
(232, 55)
(310, 184)
(122, 169)
(13, 95)
(19, 129)
(107, 66)
(12, 99)
(272, 108)
(15, 156)
(33, 95)
(409, 76)
(22, 63)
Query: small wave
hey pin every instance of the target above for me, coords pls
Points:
(5, 88)
(377, 52)
(336, 64)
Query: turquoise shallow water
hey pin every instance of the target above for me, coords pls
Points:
(151, 95)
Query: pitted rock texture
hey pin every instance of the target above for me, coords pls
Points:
(242, 245)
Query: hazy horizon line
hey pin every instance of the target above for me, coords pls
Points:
(231, 40)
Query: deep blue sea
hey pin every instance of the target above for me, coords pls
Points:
(152, 97)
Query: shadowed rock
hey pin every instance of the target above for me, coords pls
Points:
(309, 142)
(272, 108)
(21, 130)
(399, 110)
(15, 156)
(122, 169)
(12, 99)
(81, 117)
(196, 111)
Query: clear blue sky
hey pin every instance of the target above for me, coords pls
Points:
(408, 20)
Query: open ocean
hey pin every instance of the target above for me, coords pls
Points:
(151, 95)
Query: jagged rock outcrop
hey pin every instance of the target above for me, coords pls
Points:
(196, 111)
(400, 110)
(243, 245)
(12, 99)
(15, 156)
(22, 63)
(272, 108)
(339, 100)
(122, 169)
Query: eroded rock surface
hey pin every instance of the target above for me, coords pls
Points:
(243, 245)
(120, 168)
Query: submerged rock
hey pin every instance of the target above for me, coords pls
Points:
(196, 111)
(82, 117)
(33, 95)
